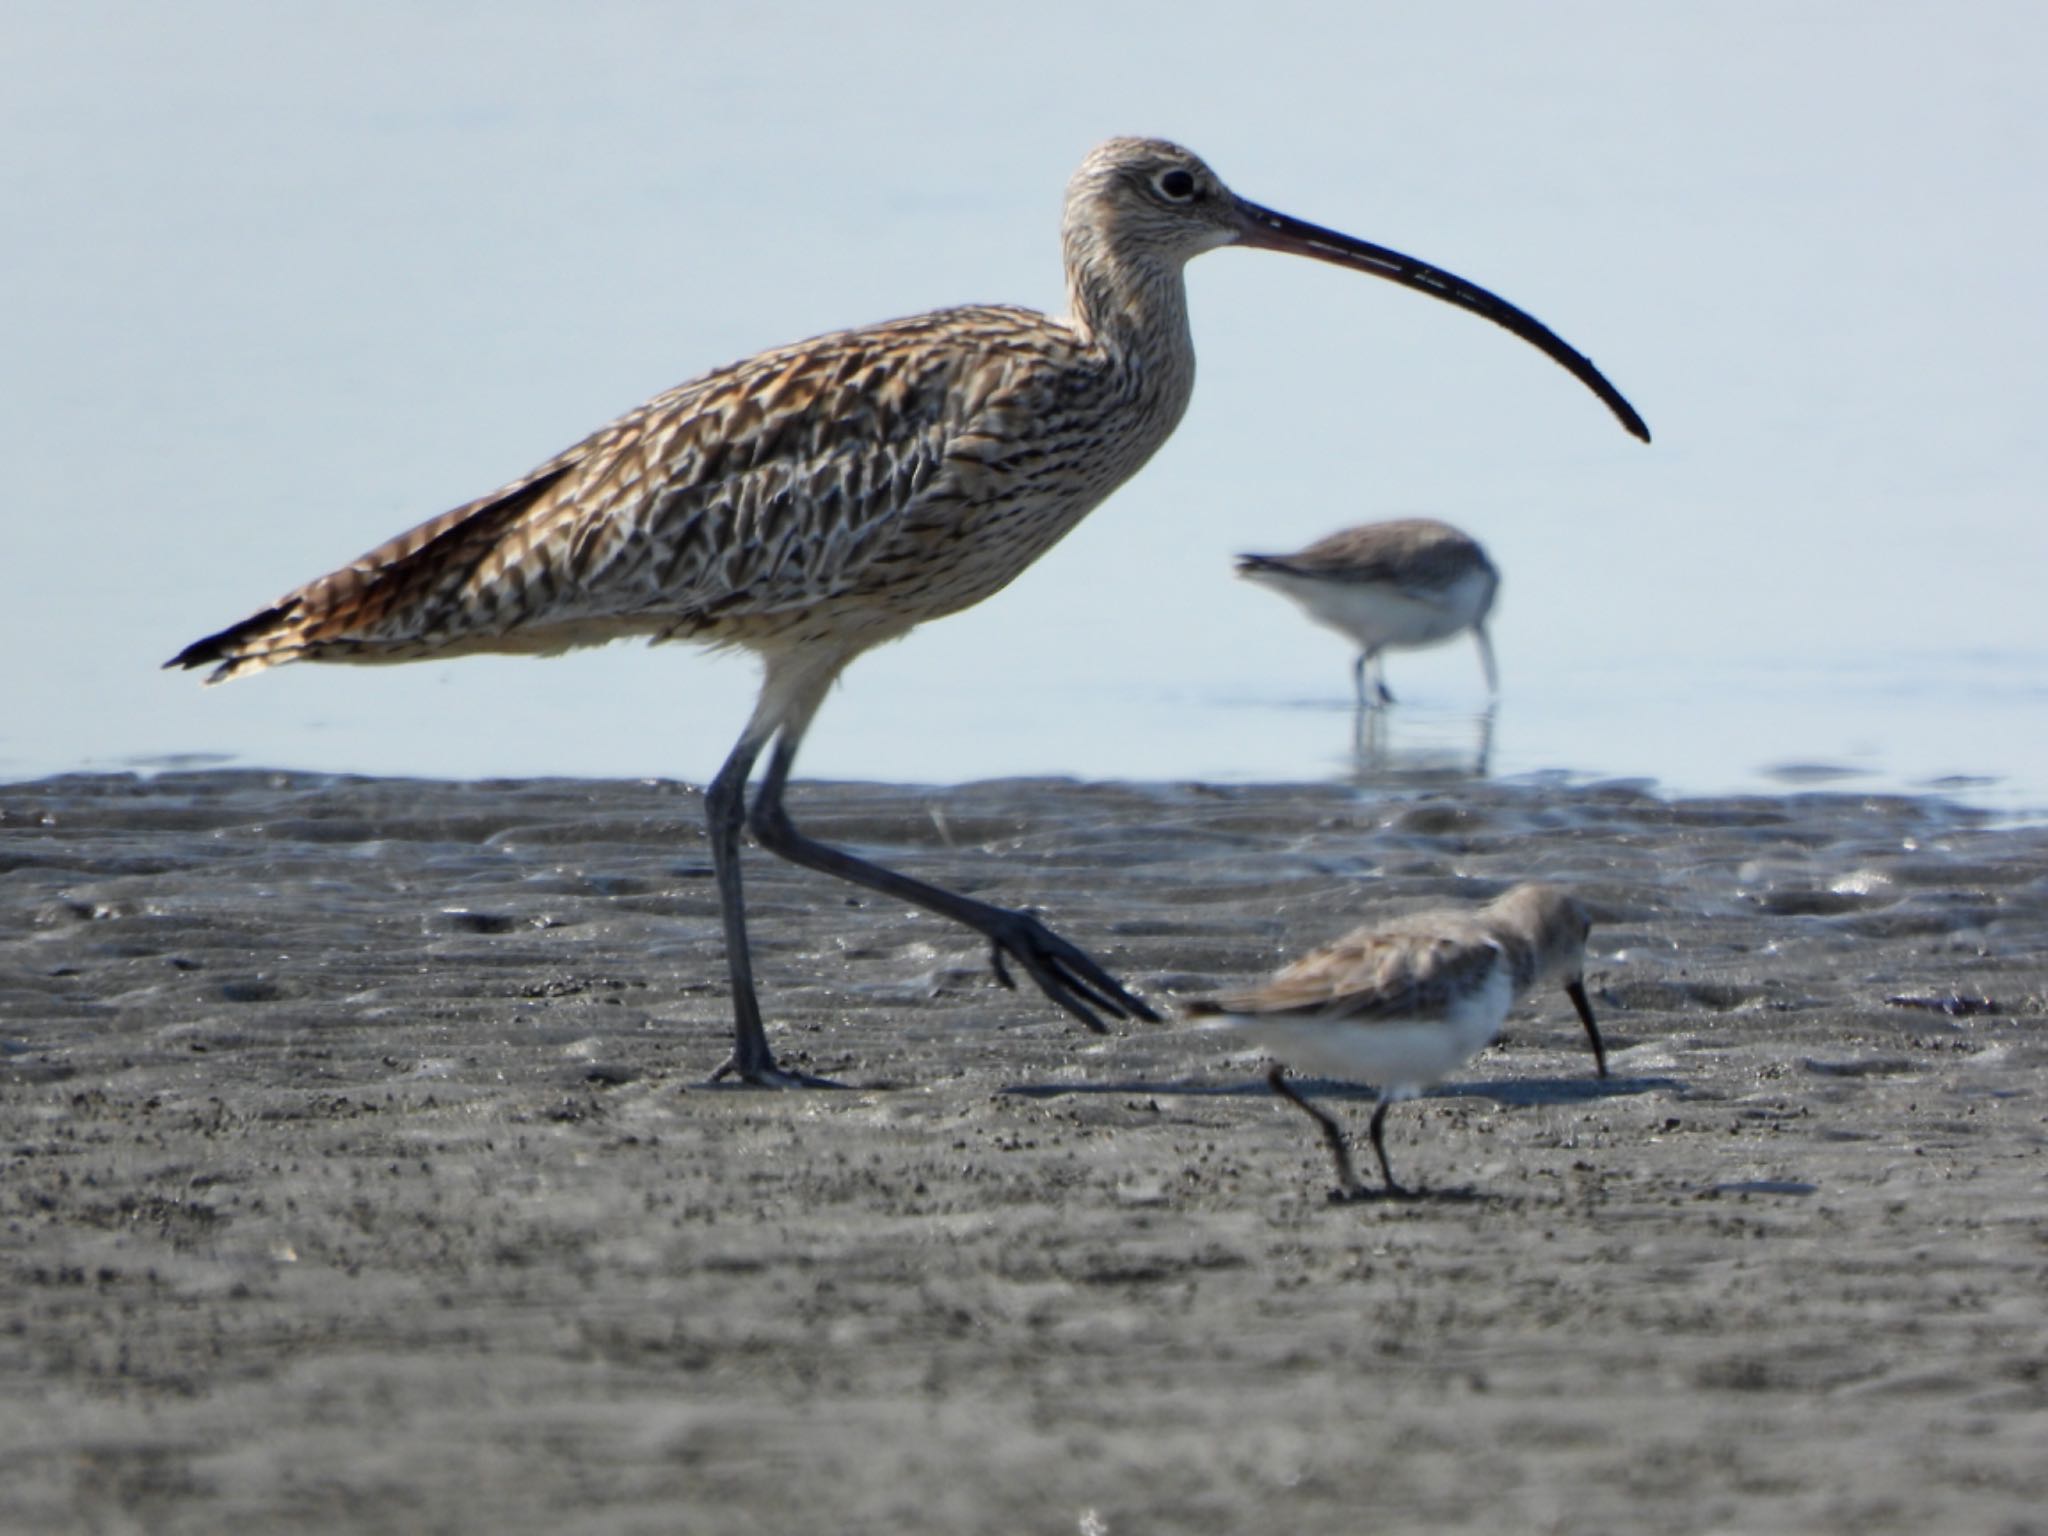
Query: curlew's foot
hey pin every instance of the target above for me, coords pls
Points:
(1065, 973)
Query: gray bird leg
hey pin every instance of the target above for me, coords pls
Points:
(1066, 974)
(1333, 1133)
(1486, 657)
(725, 809)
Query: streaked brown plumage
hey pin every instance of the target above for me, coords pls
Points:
(814, 501)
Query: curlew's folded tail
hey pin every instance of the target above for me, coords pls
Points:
(409, 597)
(261, 640)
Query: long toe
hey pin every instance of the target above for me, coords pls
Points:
(1067, 975)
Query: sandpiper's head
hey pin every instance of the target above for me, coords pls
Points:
(1550, 921)
(1145, 206)
(1549, 927)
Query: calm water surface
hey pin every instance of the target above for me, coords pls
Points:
(302, 279)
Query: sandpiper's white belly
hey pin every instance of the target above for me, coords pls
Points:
(1377, 613)
(1396, 1056)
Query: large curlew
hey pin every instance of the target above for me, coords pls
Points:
(814, 501)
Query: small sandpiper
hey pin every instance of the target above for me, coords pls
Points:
(1404, 1003)
(1402, 584)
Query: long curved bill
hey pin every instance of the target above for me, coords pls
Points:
(1576, 990)
(1271, 231)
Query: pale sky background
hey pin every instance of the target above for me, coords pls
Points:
(282, 281)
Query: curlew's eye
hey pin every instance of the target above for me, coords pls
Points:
(1177, 185)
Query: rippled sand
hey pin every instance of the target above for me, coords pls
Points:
(359, 1175)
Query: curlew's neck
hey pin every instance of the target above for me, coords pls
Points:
(1132, 306)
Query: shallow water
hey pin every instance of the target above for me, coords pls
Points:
(545, 876)
(269, 911)
(301, 282)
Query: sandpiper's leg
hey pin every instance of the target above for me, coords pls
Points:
(1358, 678)
(1576, 991)
(1333, 1133)
(1066, 974)
(1376, 661)
(1379, 1145)
(1486, 657)
(1482, 759)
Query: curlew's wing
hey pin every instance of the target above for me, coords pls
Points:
(750, 492)
(1374, 972)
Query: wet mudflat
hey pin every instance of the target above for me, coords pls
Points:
(359, 1172)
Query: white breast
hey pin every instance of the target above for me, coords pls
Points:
(1381, 613)
(1396, 1056)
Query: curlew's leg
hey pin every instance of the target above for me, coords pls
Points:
(1333, 1133)
(725, 808)
(790, 694)
(1066, 974)
(1486, 657)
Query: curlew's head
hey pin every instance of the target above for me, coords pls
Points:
(1146, 199)
(1143, 207)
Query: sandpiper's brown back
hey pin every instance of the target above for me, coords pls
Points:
(1420, 549)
